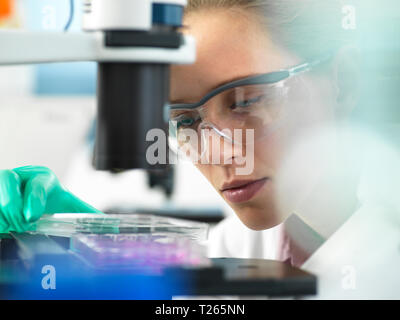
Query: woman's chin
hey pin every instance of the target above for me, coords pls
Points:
(259, 219)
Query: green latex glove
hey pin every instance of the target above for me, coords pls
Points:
(27, 193)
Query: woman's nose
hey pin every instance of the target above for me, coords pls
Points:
(220, 149)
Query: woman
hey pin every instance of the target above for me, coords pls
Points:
(245, 41)
(239, 41)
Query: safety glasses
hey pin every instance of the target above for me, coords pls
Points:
(254, 104)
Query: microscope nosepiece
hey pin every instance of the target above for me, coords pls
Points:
(131, 98)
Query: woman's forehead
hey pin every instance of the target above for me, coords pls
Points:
(229, 47)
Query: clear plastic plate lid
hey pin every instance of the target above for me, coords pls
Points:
(69, 224)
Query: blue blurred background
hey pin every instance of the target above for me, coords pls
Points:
(77, 78)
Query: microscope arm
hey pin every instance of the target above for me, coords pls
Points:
(22, 47)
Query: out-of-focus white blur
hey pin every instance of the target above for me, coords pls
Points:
(330, 171)
(345, 183)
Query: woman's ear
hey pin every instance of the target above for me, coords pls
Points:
(346, 80)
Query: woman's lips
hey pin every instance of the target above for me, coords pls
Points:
(244, 192)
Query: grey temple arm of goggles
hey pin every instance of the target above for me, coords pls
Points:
(266, 78)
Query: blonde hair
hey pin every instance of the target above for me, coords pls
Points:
(307, 28)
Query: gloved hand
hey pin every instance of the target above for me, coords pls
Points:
(27, 193)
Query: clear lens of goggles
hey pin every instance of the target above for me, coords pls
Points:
(228, 115)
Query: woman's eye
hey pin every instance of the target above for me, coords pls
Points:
(246, 103)
(185, 121)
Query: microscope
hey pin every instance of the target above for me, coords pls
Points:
(134, 43)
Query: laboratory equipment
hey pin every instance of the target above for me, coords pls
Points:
(92, 263)
(134, 42)
(65, 224)
(255, 104)
(147, 253)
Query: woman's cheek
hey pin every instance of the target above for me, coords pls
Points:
(268, 153)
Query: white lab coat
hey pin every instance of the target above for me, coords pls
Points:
(231, 238)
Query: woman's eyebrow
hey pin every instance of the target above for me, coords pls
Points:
(220, 84)
(176, 101)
